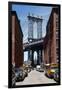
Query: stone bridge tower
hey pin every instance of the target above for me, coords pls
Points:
(31, 20)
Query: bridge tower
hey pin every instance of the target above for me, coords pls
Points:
(30, 28)
(39, 28)
(31, 20)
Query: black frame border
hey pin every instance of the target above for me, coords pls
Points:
(10, 43)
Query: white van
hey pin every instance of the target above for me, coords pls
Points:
(38, 67)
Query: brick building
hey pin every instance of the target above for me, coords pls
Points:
(51, 41)
(17, 40)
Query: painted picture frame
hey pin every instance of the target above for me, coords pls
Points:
(33, 44)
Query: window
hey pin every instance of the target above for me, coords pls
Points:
(57, 35)
(57, 43)
(57, 51)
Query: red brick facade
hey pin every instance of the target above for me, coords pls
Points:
(17, 41)
(51, 47)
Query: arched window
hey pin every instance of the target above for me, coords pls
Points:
(25, 56)
(35, 30)
(35, 57)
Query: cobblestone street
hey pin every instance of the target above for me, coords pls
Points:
(35, 77)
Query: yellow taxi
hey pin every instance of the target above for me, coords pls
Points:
(50, 70)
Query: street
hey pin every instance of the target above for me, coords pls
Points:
(35, 77)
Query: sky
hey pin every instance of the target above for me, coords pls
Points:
(22, 13)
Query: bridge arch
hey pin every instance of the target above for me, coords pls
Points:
(35, 57)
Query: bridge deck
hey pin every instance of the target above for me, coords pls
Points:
(33, 45)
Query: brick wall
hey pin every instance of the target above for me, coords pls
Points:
(17, 41)
(50, 42)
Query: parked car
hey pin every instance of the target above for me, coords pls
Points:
(41, 70)
(56, 75)
(26, 73)
(19, 74)
(13, 75)
(25, 70)
(28, 68)
(38, 68)
(50, 70)
(50, 73)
